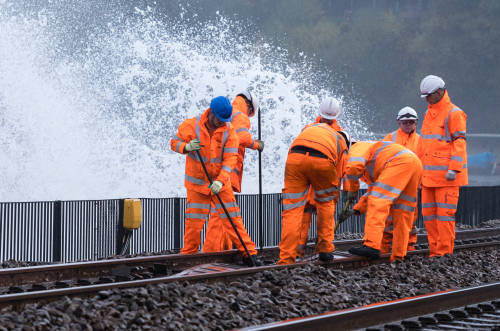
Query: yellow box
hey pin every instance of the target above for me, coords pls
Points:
(132, 214)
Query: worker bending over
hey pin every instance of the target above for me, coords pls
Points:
(329, 111)
(215, 138)
(393, 175)
(312, 161)
(445, 164)
(406, 136)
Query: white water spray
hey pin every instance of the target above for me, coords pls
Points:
(94, 121)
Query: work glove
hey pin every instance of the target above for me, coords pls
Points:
(215, 186)
(261, 145)
(193, 145)
(451, 175)
(348, 213)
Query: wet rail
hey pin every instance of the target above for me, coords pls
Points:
(476, 308)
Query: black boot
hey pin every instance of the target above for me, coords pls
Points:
(366, 251)
(326, 257)
(256, 261)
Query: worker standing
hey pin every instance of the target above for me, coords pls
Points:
(445, 164)
(329, 111)
(245, 105)
(393, 175)
(217, 143)
(312, 161)
(406, 136)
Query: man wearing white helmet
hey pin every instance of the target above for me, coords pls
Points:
(329, 111)
(444, 157)
(406, 136)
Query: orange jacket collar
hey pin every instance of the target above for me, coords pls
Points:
(240, 104)
(444, 103)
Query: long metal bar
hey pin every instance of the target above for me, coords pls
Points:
(261, 216)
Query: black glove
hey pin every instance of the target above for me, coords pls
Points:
(352, 196)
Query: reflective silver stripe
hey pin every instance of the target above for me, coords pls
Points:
(178, 138)
(197, 127)
(236, 171)
(433, 136)
(326, 127)
(445, 218)
(232, 214)
(197, 216)
(382, 196)
(458, 134)
(446, 205)
(457, 158)
(295, 195)
(194, 180)
(429, 205)
(198, 205)
(414, 231)
(405, 151)
(235, 114)
(351, 177)
(403, 207)
(242, 130)
(327, 190)
(389, 218)
(435, 167)
(356, 159)
(231, 150)
(407, 198)
(387, 187)
(371, 164)
(228, 169)
(215, 160)
(394, 134)
(325, 199)
(429, 217)
(446, 130)
(178, 145)
(194, 156)
(465, 166)
(227, 204)
(294, 205)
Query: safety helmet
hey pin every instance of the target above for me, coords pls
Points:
(222, 108)
(330, 109)
(430, 84)
(407, 113)
(347, 138)
(252, 99)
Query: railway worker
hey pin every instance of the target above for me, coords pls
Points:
(216, 140)
(407, 136)
(393, 175)
(445, 164)
(245, 105)
(329, 111)
(312, 162)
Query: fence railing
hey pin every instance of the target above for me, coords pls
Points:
(86, 230)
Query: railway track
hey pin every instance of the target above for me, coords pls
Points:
(474, 308)
(151, 270)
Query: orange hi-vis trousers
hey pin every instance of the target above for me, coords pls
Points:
(301, 171)
(397, 188)
(216, 239)
(439, 205)
(197, 209)
(389, 230)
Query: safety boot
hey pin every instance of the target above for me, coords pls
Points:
(366, 251)
(325, 257)
(256, 261)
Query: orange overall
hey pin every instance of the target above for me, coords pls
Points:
(219, 152)
(241, 124)
(412, 141)
(312, 161)
(310, 206)
(444, 148)
(393, 174)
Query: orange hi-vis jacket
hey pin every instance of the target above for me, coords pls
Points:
(367, 159)
(219, 152)
(241, 124)
(412, 141)
(444, 144)
(335, 125)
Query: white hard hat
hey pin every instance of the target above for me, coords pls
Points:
(330, 109)
(430, 84)
(407, 113)
(252, 99)
(347, 138)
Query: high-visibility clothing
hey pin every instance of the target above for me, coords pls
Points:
(444, 144)
(444, 148)
(310, 207)
(412, 141)
(219, 155)
(439, 205)
(318, 170)
(393, 174)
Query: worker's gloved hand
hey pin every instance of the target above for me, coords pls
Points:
(352, 196)
(451, 175)
(193, 145)
(261, 145)
(345, 215)
(215, 186)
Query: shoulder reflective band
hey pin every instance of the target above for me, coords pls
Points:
(371, 163)
(241, 130)
(235, 114)
(356, 159)
(394, 134)
(447, 136)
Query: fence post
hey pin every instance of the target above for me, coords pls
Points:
(177, 223)
(120, 231)
(56, 232)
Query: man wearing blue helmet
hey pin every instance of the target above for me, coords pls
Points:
(215, 138)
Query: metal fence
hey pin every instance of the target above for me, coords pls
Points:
(86, 230)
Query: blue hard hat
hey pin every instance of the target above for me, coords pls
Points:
(222, 108)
